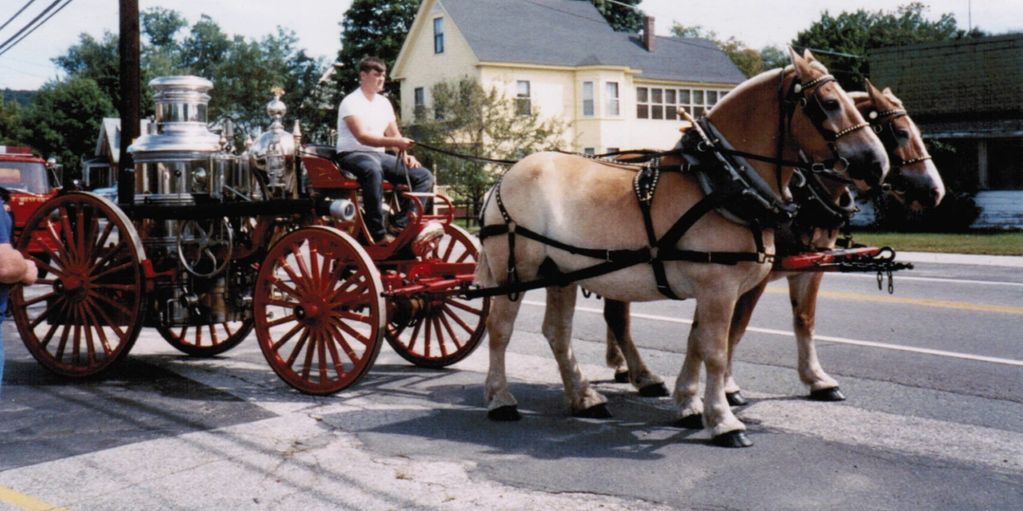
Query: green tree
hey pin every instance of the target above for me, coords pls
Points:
(65, 117)
(620, 17)
(11, 131)
(750, 61)
(850, 35)
(97, 60)
(374, 28)
(480, 122)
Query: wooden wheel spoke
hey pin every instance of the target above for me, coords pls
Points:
(459, 305)
(72, 244)
(443, 318)
(447, 252)
(60, 301)
(354, 316)
(42, 265)
(465, 255)
(335, 356)
(302, 268)
(287, 337)
(321, 355)
(80, 229)
(307, 364)
(347, 348)
(114, 269)
(102, 240)
(342, 296)
(291, 291)
(281, 321)
(295, 279)
(352, 332)
(61, 251)
(109, 322)
(451, 314)
(116, 306)
(90, 348)
(45, 340)
(214, 338)
(40, 298)
(415, 335)
(62, 345)
(108, 256)
(297, 349)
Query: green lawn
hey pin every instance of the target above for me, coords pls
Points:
(998, 243)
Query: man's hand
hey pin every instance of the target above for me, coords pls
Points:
(31, 273)
(411, 162)
(404, 143)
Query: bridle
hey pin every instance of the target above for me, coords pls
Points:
(805, 95)
(883, 124)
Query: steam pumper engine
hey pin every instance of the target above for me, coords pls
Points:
(203, 242)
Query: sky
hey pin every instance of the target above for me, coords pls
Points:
(756, 22)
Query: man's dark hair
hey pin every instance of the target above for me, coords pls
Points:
(368, 64)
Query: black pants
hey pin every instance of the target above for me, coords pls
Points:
(371, 168)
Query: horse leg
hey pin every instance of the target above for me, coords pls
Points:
(501, 404)
(803, 289)
(687, 386)
(557, 328)
(709, 337)
(740, 321)
(616, 315)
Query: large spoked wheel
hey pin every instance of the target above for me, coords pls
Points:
(449, 328)
(207, 340)
(318, 309)
(87, 313)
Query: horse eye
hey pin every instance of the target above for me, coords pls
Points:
(903, 134)
(831, 105)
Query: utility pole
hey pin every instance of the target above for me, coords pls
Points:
(130, 98)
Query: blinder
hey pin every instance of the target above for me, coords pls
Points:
(883, 124)
(803, 95)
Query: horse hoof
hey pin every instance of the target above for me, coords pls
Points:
(622, 376)
(654, 390)
(735, 398)
(594, 412)
(732, 439)
(832, 394)
(508, 413)
(694, 421)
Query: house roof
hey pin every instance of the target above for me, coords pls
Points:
(574, 33)
(110, 137)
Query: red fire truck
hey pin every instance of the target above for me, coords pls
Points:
(29, 181)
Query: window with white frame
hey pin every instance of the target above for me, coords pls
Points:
(663, 103)
(523, 101)
(611, 101)
(588, 99)
(438, 35)
(419, 100)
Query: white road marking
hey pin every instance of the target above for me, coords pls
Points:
(839, 340)
(899, 277)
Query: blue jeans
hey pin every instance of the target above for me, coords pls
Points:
(2, 354)
(371, 168)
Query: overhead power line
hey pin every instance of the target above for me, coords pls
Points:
(7, 45)
(8, 22)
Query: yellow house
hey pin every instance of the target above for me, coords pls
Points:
(561, 59)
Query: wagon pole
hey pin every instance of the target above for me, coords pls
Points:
(130, 94)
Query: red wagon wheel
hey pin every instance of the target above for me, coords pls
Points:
(206, 340)
(87, 313)
(318, 309)
(450, 328)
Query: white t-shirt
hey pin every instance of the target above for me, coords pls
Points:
(374, 115)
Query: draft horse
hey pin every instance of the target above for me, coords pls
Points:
(826, 206)
(693, 244)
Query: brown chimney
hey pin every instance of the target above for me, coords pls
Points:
(648, 33)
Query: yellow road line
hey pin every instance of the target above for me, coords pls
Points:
(925, 302)
(26, 502)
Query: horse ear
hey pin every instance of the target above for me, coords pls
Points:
(800, 64)
(808, 56)
(888, 91)
(875, 95)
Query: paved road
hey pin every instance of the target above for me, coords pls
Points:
(934, 376)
